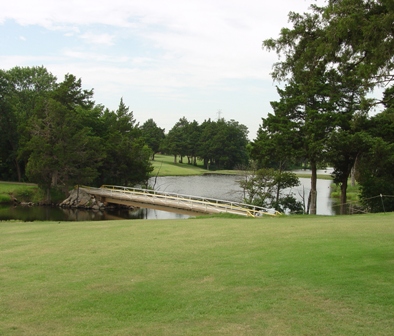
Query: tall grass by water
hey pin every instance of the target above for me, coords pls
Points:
(307, 275)
(19, 191)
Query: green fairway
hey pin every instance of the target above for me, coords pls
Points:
(206, 276)
(164, 165)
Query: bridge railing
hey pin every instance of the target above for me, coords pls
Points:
(248, 209)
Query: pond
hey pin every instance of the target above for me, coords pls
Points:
(224, 187)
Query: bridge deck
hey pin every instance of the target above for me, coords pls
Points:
(172, 201)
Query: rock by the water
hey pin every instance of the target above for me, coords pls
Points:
(81, 199)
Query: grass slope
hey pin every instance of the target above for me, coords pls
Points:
(206, 276)
(164, 165)
(21, 191)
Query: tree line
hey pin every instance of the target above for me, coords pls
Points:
(53, 133)
(329, 61)
(219, 144)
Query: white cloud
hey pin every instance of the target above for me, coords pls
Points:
(93, 38)
(159, 48)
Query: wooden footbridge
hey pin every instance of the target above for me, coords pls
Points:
(173, 202)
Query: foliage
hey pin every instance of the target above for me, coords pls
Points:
(219, 144)
(152, 135)
(22, 88)
(330, 58)
(223, 144)
(61, 150)
(376, 176)
(359, 37)
(307, 103)
(126, 154)
(176, 140)
(270, 188)
(53, 134)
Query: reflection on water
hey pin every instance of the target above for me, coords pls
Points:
(42, 213)
(225, 187)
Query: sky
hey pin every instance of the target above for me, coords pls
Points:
(170, 59)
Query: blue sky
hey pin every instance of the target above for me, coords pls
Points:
(167, 59)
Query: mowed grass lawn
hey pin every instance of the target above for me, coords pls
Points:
(164, 165)
(205, 276)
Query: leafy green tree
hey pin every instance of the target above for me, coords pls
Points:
(278, 141)
(271, 189)
(304, 99)
(205, 149)
(375, 175)
(176, 142)
(126, 154)
(375, 166)
(223, 144)
(8, 126)
(62, 151)
(319, 97)
(193, 134)
(153, 136)
(359, 38)
(229, 144)
(26, 86)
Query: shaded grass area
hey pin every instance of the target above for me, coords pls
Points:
(20, 191)
(352, 192)
(211, 276)
(319, 176)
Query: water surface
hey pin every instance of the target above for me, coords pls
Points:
(225, 187)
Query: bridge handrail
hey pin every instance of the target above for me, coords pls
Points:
(204, 200)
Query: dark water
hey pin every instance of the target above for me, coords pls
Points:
(43, 213)
(223, 187)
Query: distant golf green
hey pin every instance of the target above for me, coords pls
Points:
(307, 275)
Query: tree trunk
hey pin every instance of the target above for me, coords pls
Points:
(48, 198)
(313, 189)
(54, 178)
(343, 196)
(277, 195)
(18, 170)
(308, 203)
(353, 172)
(175, 158)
